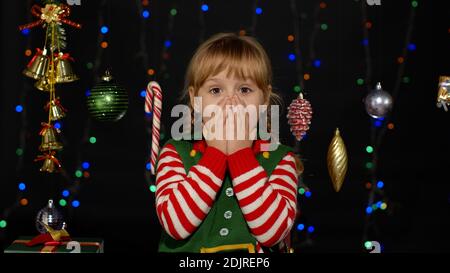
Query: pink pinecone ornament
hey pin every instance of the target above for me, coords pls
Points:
(299, 116)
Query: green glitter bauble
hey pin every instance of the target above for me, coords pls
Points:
(107, 100)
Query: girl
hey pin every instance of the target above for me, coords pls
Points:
(226, 195)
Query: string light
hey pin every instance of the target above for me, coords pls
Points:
(26, 31)
(75, 203)
(19, 108)
(85, 165)
(3, 223)
(310, 229)
(142, 93)
(359, 81)
(291, 57)
(92, 140)
(258, 10)
(145, 14)
(57, 125)
(324, 27)
(22, 186)
(19, 151)
(300, 227)
(62, 202)
(173, 12)
(205, 8)
(369, 149)
(167, 43)
(317, 63)
(65, 193)
(152, 188)
(104, 29)
(78, 173)
(148, 166)
(301, 191)
(23, 202)
(308, 194)
(380, 184)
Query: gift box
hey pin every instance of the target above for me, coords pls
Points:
(76, 245)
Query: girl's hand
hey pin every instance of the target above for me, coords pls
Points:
(218, 142)
(240, 123)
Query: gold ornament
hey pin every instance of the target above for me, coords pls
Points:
(64, 71)
(51, 163)
(50, 13)
(43, 84)
(49, 141)
(443, 98)
(57, 111)
(38, 65)
(337, 161)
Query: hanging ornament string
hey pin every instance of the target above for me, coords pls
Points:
(153, 105)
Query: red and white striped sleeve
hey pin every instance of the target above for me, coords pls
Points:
(268, 203)
(183, 200)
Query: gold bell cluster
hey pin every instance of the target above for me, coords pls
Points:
(50, 67)
(443, 97)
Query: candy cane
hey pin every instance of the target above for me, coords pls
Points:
(153, 102)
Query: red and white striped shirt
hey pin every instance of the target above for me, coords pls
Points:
(267, 203)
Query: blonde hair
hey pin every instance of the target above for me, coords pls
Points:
(241, 56)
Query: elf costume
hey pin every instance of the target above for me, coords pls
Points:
(208, 202)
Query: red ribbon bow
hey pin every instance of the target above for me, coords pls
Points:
(65, 56)
(51, 156)
(57, 102)
(36, 11)
(45, 127)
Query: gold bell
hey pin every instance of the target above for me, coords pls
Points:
(443, 98)
(56, 110)
(49, 166)
(64, 71)
(43, 84)
(51, 163)
(38, 66)
(49, 141)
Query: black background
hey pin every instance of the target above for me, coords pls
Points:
(116, 203)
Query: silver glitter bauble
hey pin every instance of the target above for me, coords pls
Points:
(378, 102)
(50, 216)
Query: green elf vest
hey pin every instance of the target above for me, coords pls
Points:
(224, 229)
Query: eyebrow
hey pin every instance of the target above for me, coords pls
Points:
(212, 79)
(247, 81)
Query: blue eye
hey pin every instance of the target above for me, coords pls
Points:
(245, 90)
(215, 91)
